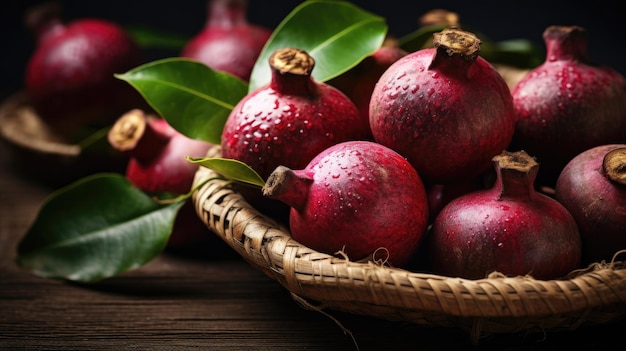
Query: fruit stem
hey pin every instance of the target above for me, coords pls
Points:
(516, 173)
(44, 20)
(138, 135)
(614, 165)
(288, 186)
(291, 72)
(451, 44)
(566, 43)
(226, 13)
(439, 16)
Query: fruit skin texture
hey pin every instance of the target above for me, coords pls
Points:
(448, 112)
(355, 196)
(597, 203)
(288, 122)
(157, 165)
(228, 41)
(439, 195)
(69, 77)
(568, 104)
(509, 228)
(358, 83)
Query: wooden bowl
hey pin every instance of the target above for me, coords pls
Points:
(43, 154)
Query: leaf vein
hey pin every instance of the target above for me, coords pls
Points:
(192, 92)
(342, 33)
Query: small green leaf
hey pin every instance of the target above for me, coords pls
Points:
(153, 38)
(421, 38)
(520, 53)
(195, 99)
(231, 169)
(94, 228)
(337, 34)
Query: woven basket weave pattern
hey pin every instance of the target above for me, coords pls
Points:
(496, 304)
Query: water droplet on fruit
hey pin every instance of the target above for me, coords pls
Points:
(392, 94)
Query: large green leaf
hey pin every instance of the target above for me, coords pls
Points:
(95, 228)
(231, 169)
(195, 99)
(337, 34)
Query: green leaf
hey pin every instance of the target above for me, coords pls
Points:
(520, 53)
(152, 38)
(337, 34)
(195, 99)
(231, 169)
(421, 38)
(94, 228)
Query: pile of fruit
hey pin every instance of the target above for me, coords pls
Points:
(398, 156)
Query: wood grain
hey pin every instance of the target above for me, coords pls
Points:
(208, 300)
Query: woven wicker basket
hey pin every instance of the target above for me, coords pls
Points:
(498, 304)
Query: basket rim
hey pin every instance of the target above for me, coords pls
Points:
(368, 288)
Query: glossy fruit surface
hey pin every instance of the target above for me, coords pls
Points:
(70, 79)
(592, 186)
(445, 108)
(568, 104)
(228, 42)
(290, 120)
(439, 195)
(359, 197)
(359, 82)
(158, 165)
(509, 228)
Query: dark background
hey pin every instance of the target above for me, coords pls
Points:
(498, 20)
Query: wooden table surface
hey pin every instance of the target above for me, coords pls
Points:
(187, 301)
